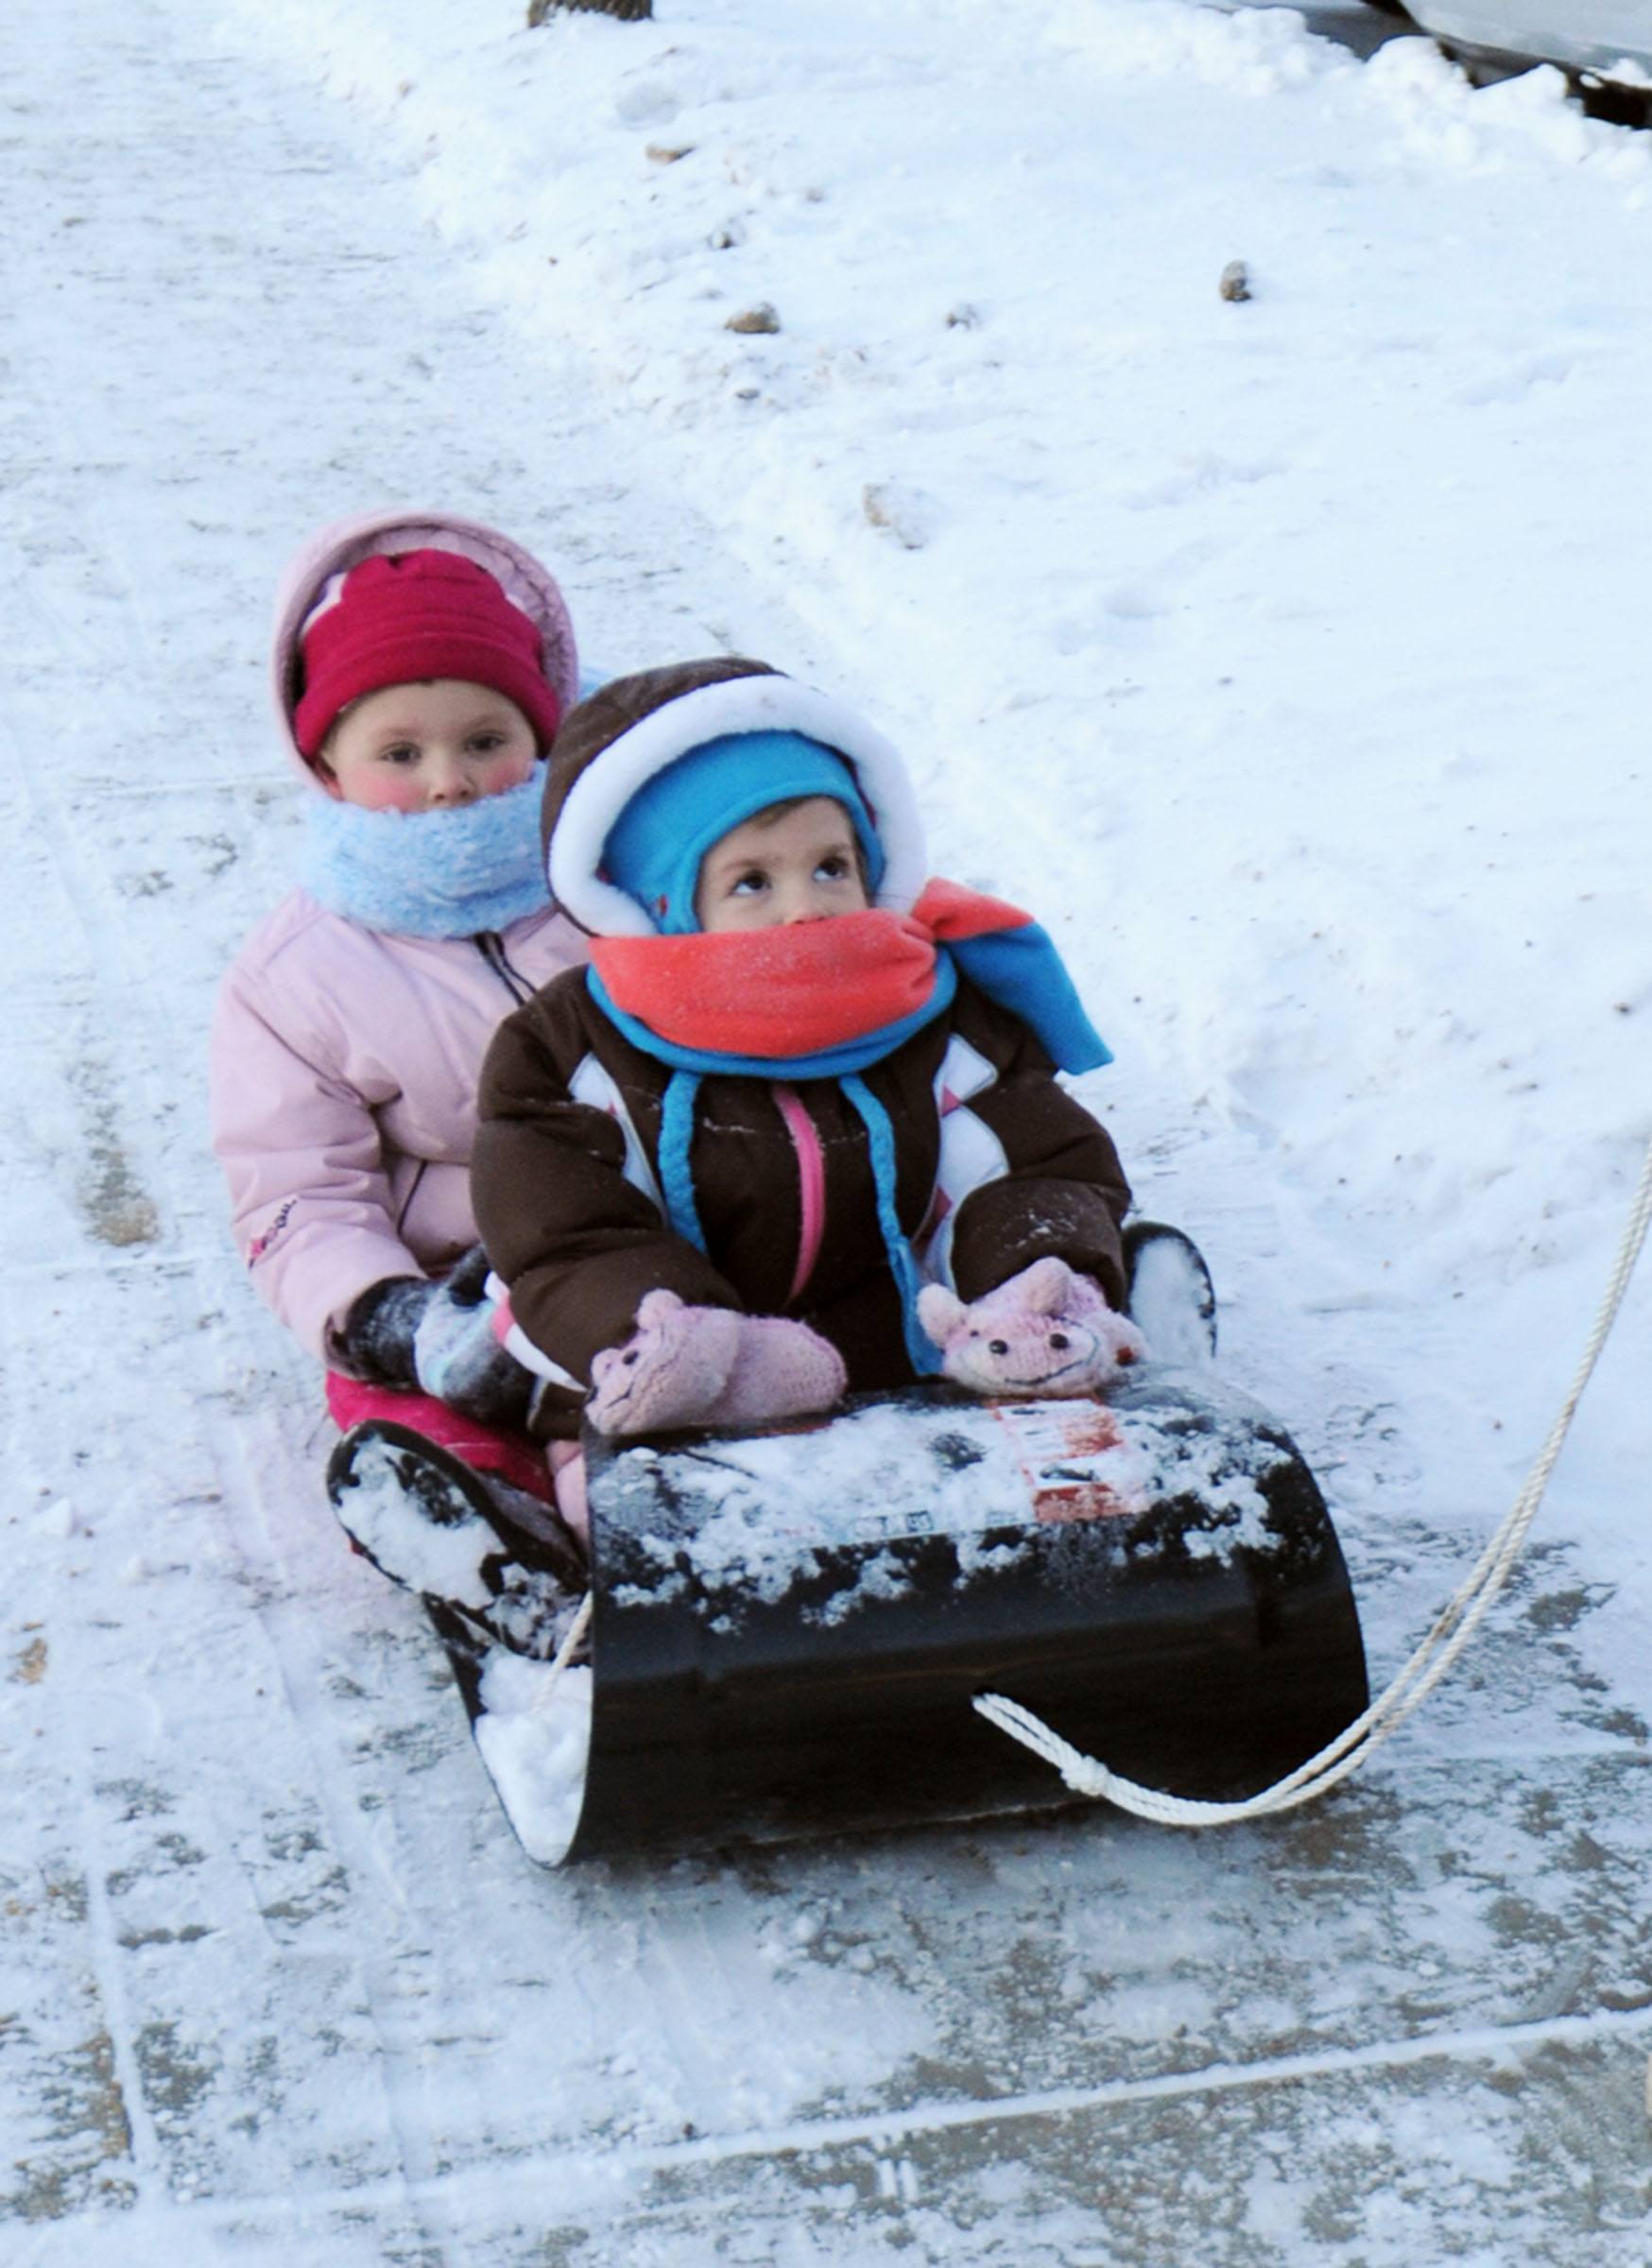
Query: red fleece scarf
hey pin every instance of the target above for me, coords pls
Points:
(800, 987)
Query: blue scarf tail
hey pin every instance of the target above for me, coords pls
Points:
(675, 1179)
(921, 1351)
(682, 1212)
(1022, 970)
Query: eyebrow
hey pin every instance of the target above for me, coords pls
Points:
(406, 729)
(717, 865)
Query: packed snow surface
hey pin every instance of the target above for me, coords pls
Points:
(1287, 656)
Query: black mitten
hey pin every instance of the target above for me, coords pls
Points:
(376, 1340)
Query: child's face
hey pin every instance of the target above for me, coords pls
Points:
(427, 747)
(803, 866)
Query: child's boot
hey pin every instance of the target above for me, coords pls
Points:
(1172, 1301)
(502, 1559)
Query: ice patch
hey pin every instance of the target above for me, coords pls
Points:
(1244, 1523)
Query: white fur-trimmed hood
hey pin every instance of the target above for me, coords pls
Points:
(617, 741)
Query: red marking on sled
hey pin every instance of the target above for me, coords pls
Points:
(1050, 1434)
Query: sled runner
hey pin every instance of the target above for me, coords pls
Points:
(789, 1628)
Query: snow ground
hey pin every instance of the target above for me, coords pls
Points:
(1288, 655)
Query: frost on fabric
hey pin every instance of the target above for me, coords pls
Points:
(534, 1732)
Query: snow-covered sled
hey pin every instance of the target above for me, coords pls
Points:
(789, 1628)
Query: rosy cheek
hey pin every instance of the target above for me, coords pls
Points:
(385, 791)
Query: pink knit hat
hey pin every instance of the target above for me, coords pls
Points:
(405, 617)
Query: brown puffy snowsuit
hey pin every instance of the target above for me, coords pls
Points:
(996, 1164)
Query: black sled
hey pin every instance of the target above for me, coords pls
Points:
(789, 1628)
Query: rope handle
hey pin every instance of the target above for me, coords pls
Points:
(565, 1652)
(1428, 1665)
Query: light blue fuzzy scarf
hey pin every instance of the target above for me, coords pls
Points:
(430, 873)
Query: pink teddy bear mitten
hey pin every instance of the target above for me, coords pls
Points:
(1045, 1334)
(710, 1365)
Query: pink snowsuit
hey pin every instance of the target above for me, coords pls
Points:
(345, 1060)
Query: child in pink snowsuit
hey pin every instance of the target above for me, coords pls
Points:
(421, 666)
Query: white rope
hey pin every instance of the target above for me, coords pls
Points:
(1451, 1630)
(565, 1652)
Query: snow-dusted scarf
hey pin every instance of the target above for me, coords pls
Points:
(428, 873)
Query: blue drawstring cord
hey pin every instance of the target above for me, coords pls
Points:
(682, 1212)
(922, 1352)
(676, 1177)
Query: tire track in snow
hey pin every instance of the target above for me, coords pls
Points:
(579, 2182)
(107, 624)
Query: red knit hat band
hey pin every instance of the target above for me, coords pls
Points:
(403, 618)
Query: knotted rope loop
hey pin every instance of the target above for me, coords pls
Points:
(1451, 1631)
